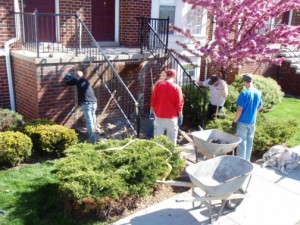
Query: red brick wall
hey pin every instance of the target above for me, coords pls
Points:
(41, 90)
(296, 17)
(25, 83)
(129, 25)
(4, 91)
(257, 68)
(82, 7)
(211, 69)
(6, 21)
(288, 79)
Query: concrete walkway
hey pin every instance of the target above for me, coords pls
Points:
(272, 199)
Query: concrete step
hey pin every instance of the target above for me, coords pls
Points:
(293, 60)
(295, 65)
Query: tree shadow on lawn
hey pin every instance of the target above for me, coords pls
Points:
(43, 206)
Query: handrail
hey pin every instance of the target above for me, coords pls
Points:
(158, 47)
(100, 52)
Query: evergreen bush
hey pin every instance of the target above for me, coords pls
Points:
(271, 92)
(270, 132)
(53, 139)
(14, 147)
(10, 120)
(106, 178)
(40, 122)
(196, 102)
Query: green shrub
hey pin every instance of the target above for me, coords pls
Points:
(105, 181)
(271, 92)
(196, 102)
(9, 120)
(54, 139)
(14, 147)
(40, 122)
(269, 131)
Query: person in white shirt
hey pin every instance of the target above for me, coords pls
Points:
(218, 94)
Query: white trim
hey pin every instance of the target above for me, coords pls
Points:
(155, 9)
(117, 15)
(57, 24)
(290, 17)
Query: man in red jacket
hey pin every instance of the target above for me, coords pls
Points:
(167, 103)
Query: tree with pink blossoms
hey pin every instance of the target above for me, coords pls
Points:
(243, 33)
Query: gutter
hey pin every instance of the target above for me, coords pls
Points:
(6, 53)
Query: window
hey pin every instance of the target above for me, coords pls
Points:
(166, 11)
(191, 71)
(270, 25)
(167, 8)
(194, 21)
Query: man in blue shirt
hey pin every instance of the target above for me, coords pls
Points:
(249, 103)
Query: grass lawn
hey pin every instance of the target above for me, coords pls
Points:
(289, 108)
(29, 195)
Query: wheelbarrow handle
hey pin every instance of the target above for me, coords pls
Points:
(176, 183)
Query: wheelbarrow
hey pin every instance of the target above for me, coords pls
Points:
(213, 142)
(220, 178)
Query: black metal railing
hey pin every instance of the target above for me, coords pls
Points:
(49, 32)
(154, 38)
(65, 33)
(154, 33)
(111, 80)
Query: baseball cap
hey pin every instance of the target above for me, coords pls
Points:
(213, 79)
(171, 73)
(247, 77)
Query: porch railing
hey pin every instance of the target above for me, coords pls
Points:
(49, 32)
(154, 38)
(64, 33)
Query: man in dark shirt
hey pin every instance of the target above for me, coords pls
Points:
(87, 101)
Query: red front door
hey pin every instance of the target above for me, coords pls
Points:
(103, 20)
(46, 24)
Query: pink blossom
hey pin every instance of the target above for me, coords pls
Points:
(242, 31)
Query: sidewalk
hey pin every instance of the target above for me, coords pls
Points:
(272, 199)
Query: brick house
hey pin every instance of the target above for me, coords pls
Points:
(33, 64)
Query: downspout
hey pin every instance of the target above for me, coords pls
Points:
(206, 68)
(7, 56)
(290, 18)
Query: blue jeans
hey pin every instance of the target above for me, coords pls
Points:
(150, 128)
(89, 112)
(246, 133)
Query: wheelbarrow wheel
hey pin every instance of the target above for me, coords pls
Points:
(233, 203)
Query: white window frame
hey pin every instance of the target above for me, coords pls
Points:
(180, 76)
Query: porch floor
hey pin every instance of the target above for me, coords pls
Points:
(53, 54)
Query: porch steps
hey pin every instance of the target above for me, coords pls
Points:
(292, 57)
